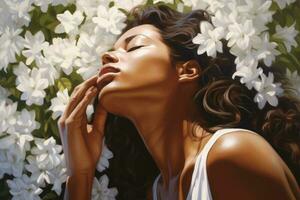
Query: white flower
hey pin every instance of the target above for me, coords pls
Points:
(267, 91)
(111, 19)
(62, 59)
(294, 79)
(209, 39)
(6, 18)
(47, 70)
(4, 93)
(7, 116)
(90, 47)
(222, 19)
(58, 176)
(44, 174)
(11, 44)
(17, 143)
(215, 5)
(4, 164)
(195, 4)
(59, 103)
(106, 154)
(101, 191)
(32, 87)
(43, 4)
(47, 153)
(89, 7)
(257, 11)
(248, 71)
(283, 3)
(89, 111)
(129, 4)
(266, 50)
(288, 35)
(89, 60)
(39, 174)
(21, 70)
(20, 9)
(180, 7)
(34, 44)
(241, 35)
(26, 122)
(13, 149)
(10, 163)
(23, 188)
(69, 22)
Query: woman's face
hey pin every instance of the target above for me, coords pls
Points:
(145, 68)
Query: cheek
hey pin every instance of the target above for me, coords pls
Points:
(147, 68)
(145, 74)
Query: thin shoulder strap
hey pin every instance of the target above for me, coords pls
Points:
(154, 187)
(218, 134)
(199, 166)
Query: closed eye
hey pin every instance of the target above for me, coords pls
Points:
(134, 48)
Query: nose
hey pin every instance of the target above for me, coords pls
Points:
(109, 57)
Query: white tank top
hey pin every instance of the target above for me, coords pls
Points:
(199, 187)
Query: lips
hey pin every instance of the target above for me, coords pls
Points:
(106, 75)
(107, 69)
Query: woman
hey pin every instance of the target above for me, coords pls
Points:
(163, 106)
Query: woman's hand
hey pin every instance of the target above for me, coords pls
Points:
(82, 142)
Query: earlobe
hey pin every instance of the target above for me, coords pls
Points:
(188, 71)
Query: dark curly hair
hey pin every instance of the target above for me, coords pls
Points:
(223, 102)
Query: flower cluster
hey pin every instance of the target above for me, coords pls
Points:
(47, 46)
(244, 27)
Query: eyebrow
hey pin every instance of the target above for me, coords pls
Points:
(128, 39)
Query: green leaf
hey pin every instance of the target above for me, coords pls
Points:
(64, 83)
(274, 7)
(54, 128)
(46, 126)
(289, 20)
(294, 59)
(50, 196)
(4, 191)
(285, 62)
(282, 48)
(36, 109)
(51, 26)
(15, 92)
(50, 19)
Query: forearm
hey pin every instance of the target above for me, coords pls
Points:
(79, 186)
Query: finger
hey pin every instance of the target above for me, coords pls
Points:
(77, 95)
(99, 119)
(95, 137)
(83, 127)
(86, 82)
(80, 110)
(77, 148)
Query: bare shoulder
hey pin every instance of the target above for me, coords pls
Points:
(236, 145)
(243, 165)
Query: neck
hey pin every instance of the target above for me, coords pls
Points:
(166, 129)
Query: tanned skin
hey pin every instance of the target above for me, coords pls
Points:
(157, 97)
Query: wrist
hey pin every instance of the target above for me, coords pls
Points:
(87, 171)
(79, 185)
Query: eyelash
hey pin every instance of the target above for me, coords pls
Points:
(134, 48)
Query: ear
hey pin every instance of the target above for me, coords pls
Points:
(188, 71)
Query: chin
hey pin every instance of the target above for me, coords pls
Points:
(110, 97)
